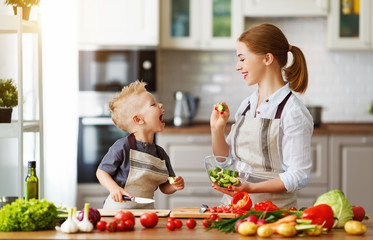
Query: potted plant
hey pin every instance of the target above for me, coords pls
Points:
(25, 4)
(8, 99)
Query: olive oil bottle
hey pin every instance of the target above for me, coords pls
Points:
(31, 182)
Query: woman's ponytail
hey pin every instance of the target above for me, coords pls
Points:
(296, 74)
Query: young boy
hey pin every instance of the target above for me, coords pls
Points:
(135, 165)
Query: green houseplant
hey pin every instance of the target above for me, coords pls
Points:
(25, 4)
(8, 99)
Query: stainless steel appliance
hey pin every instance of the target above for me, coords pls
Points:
(185, 108)
(108, 70)
(96, 135)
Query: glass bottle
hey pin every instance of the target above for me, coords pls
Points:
(31, 182)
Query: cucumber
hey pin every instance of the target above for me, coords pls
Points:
(221, 107)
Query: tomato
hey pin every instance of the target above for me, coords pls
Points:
(191, 223)
(241, 200)
(218, 219)
(123, 216)
(359, 213)
(178, 223)
(213, 216)
(206, 222)
(121, 226)
(101, 225)
(111, 226)
(265, 206)
(292, 209)
(171, 225)
(130, 225)
(149, 220)
(170, 219)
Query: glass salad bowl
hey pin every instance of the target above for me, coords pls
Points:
(226, 171)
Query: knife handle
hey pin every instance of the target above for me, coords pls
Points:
(127, 198)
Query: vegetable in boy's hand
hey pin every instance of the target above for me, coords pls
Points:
(171, 180)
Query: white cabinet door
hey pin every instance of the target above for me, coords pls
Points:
(285, 8)
(207, 24)
(349, 25)
(351, 168)
(118, 22)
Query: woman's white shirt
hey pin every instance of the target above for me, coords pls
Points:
(296, 128)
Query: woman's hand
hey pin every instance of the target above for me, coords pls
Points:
(178, 183)
(232, 190)
(219, 119)
(117, 194)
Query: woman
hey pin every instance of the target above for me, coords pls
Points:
(273, 128)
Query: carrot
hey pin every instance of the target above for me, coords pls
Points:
(291, 219)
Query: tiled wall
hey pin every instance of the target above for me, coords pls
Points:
(340, 81)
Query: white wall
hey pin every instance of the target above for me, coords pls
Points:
(340, 81)
(60, 79)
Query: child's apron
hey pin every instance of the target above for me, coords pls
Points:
(255, 141)
(146, 174)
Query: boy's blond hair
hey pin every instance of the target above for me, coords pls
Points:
(123, 106)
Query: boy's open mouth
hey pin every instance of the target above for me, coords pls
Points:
(161, 118)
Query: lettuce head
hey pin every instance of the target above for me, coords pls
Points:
(341, 206)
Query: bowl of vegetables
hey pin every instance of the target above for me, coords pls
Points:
(226, 171)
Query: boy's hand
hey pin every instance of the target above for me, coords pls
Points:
(178, 183)
(117, 194)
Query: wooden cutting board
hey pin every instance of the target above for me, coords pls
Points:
(136, 212)
(193, 212)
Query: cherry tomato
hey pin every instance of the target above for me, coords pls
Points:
(170, 219)
(191, 223)
(213, 216)
(130, 225)
(292, 209)
(218, 219)
(149, 220)
(265, 206)
(101, 225)
(178, 223)
(171, 225)
(121, 226)
(123, 216)
(111, 226)
(206, 222)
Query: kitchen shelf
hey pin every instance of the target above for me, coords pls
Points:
(14, 24)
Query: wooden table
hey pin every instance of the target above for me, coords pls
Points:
(161, 232)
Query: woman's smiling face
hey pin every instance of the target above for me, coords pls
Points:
(251, 65)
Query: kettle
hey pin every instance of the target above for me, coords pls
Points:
(185, 108)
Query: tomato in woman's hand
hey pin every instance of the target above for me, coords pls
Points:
(149, 220)
(101, 225)
(178, 223)
(171, 225)
(191, 223)
(111, 226)
(206, 222)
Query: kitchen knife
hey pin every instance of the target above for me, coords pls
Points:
(203, 208)
(138, 199)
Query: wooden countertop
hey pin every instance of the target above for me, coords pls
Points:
(161, 232)
(324, 129)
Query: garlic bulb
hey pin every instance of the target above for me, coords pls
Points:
(85, 225)
(69, 226)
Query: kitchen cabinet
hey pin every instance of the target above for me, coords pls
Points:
(187, 153)
(32, 124)
(285, 8)
(318, 181)
(351, 168)
(350, 25)
(204, 25)
(115, 23)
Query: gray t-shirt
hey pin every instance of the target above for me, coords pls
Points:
(116, 162)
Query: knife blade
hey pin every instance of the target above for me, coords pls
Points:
(138, 199)
(203, 208)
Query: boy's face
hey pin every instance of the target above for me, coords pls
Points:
(151, 112)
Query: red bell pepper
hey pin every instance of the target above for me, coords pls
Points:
(320, 214)
(241, 200)
(265, 206)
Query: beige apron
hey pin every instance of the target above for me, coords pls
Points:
(255, 141)
(146, 174)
